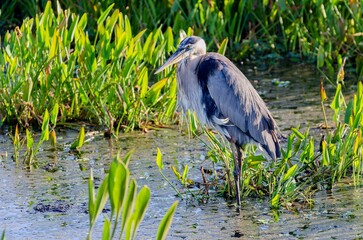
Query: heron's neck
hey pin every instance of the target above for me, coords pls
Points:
(191, 62)
(195, 56)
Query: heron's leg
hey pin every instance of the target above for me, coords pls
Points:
(237, 156)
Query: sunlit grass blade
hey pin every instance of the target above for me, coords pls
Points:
(103, 16)
(290, 173)
(78, 143)
(142, 202)
(166, 222)
(91, 201)
(223, 47)
(54, 114)
(45, 126)
(159, 160)
(106, 234)
(118, 184)
(128, 206)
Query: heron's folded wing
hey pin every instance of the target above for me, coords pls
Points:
(236, 98)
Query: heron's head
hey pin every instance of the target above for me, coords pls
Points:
(188, 48)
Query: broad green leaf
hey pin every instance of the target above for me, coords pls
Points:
(165, 223)
(275, 201)
(91, 199)
(71, 31)
(53, 46)
(118, 181)
(320, 57)
(139, 35)
(106, 235)
(290, 173)
(110, 24)
(78, 143)
(185, 174)
(46, 13)
(222, 49)
(336, 103)
(348, 112)
(143, 82)
(128, 206)
(169, 39)
(142, 202)
(154, 92)
(54, 114)
(101, 197)
(29, 139)
(83, 22)
(128, 28)
(297, 133)
(176, 173)
(325, 154)
(360, 93)
(127, 157)
(45, 126)
(159, 160)
(103, 16)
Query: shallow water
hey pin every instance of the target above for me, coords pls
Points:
(51, 201)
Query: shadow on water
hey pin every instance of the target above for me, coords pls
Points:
(51, 201)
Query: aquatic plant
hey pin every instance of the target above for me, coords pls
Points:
(323, 30)
(127, 205)
(47, 131)
(306, 164)
(51, 60)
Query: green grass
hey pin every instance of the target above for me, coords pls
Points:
(127, 206)
(325, 30)
(95, 63)
(50, 61)
(307, 164)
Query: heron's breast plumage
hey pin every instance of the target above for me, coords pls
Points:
(189, 90)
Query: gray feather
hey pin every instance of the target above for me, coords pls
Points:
(237, 100)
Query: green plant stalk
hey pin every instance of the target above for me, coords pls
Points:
(167, 180)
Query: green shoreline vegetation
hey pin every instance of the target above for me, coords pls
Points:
(94, 63)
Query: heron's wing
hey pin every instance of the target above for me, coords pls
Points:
(235, 98)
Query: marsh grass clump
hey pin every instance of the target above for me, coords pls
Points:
(307, 164)
(322, 31)
(50, 60)
(128, 206)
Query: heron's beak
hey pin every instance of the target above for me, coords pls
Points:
(179, 55)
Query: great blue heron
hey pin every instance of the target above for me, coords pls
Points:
(222, 98)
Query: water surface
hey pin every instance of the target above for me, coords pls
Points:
(51, 201)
